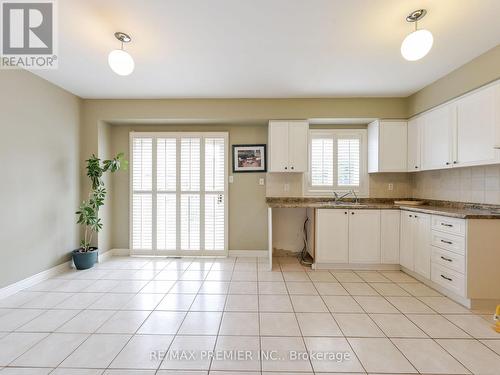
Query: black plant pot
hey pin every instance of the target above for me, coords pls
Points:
(85, 260)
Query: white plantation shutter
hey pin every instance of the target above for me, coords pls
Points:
(190, 222)
(190, 164)
(214, 164)
(166, 222)
(337, 161)
(322, 161)
(166, 164)
(348, 156)
(214, 222)
(178, 195)
(142, 221)
(142, 198)
(142, 154)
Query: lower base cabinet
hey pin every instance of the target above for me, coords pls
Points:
(459, 257)
(358, 236)
(332, 236)
(415, 250)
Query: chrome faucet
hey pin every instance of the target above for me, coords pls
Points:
(338, 198)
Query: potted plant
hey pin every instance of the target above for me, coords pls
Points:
(88, 214)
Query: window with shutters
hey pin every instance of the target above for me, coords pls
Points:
(178, 194)
(337, 162)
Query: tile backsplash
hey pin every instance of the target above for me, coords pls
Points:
(471, 184)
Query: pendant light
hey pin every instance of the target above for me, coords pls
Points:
(417, 44)
(119, 60)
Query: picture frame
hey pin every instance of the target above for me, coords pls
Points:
(250, 158)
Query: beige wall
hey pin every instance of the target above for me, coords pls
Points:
(474, 74)
(247, 202)
(39, 160)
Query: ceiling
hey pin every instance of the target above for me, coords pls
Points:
(264, 48)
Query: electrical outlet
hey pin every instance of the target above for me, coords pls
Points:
(286, 187)
(390, 187)
(261, 181)
(231, 179)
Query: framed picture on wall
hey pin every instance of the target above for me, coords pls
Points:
(249, 158)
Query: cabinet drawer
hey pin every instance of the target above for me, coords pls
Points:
(448, 242)
(448, 259)
(448, 225)
(448, 279)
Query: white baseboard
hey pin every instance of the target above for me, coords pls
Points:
(232, 253)
(35, 279)
(120, 252)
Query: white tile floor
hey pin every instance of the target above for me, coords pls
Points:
(123, 316)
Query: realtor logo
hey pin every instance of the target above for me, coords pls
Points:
(28, 35)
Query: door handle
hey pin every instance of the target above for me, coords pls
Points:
(446, 278)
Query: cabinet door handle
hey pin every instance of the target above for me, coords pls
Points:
(286, 167)
(455, 162)
(416, 167)
(447, 259)
(345, 213)
(447, 242)
(292, 168)
(416, 217)
(447, 163)
(410, 215)
(447, 225)
(446, 278)
(352, 213)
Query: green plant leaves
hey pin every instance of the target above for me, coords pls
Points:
(88, 212)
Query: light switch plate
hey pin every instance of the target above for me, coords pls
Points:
(286, 187)
(261, 181)
(390, 187)
(231, 179)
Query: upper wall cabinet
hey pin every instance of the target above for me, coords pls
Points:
(478, 127)
(461, 133)
(288, 151)
(437, 137)
(414, 144)
(387, 146)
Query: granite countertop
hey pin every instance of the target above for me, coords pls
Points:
(445, 208)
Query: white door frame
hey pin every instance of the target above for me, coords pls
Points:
(178, 136)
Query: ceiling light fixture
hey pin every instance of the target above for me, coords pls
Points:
(417, 44)
(119, 60)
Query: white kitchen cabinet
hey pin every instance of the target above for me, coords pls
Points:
(406, 245)
(332, 236)
(414, 144)
(478, 127)
(463, 132)
(415, 250)
(389, 236)
(298, 145)
(364, 236)
(438, 138)
(387, 146)
(422, 249)
(288, 146)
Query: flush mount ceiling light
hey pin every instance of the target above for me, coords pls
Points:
(417, 44)
(119, 60)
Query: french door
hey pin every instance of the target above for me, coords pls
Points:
(178, 193)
